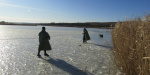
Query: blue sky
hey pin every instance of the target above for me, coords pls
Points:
(37, 11)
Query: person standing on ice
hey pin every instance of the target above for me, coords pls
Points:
(85, 35)
(44, 42)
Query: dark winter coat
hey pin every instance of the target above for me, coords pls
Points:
(44, 41)
(85, 35)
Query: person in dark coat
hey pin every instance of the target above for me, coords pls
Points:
(44, 42)
(85, 35)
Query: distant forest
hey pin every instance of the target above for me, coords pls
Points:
(86, 24)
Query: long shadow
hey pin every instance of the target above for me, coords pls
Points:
(65, 66)
(102, 46)
(99, 45)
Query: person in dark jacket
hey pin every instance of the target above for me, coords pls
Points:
(44, 42)
(85, 35)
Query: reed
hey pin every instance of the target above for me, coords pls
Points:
(131, 47)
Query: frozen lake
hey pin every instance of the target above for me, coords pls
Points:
(69, 56)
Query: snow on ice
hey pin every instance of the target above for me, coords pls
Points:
(69, 56)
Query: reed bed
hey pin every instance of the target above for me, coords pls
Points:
(131, 47)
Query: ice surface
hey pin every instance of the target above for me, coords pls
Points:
(69, 56)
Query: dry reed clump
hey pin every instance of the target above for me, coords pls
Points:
(131, 47)
(147, 17)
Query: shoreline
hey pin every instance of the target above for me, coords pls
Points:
(102, 25)
(59, 26)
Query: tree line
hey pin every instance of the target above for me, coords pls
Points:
(86, 24)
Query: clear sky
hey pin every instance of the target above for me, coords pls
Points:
(37, 11)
